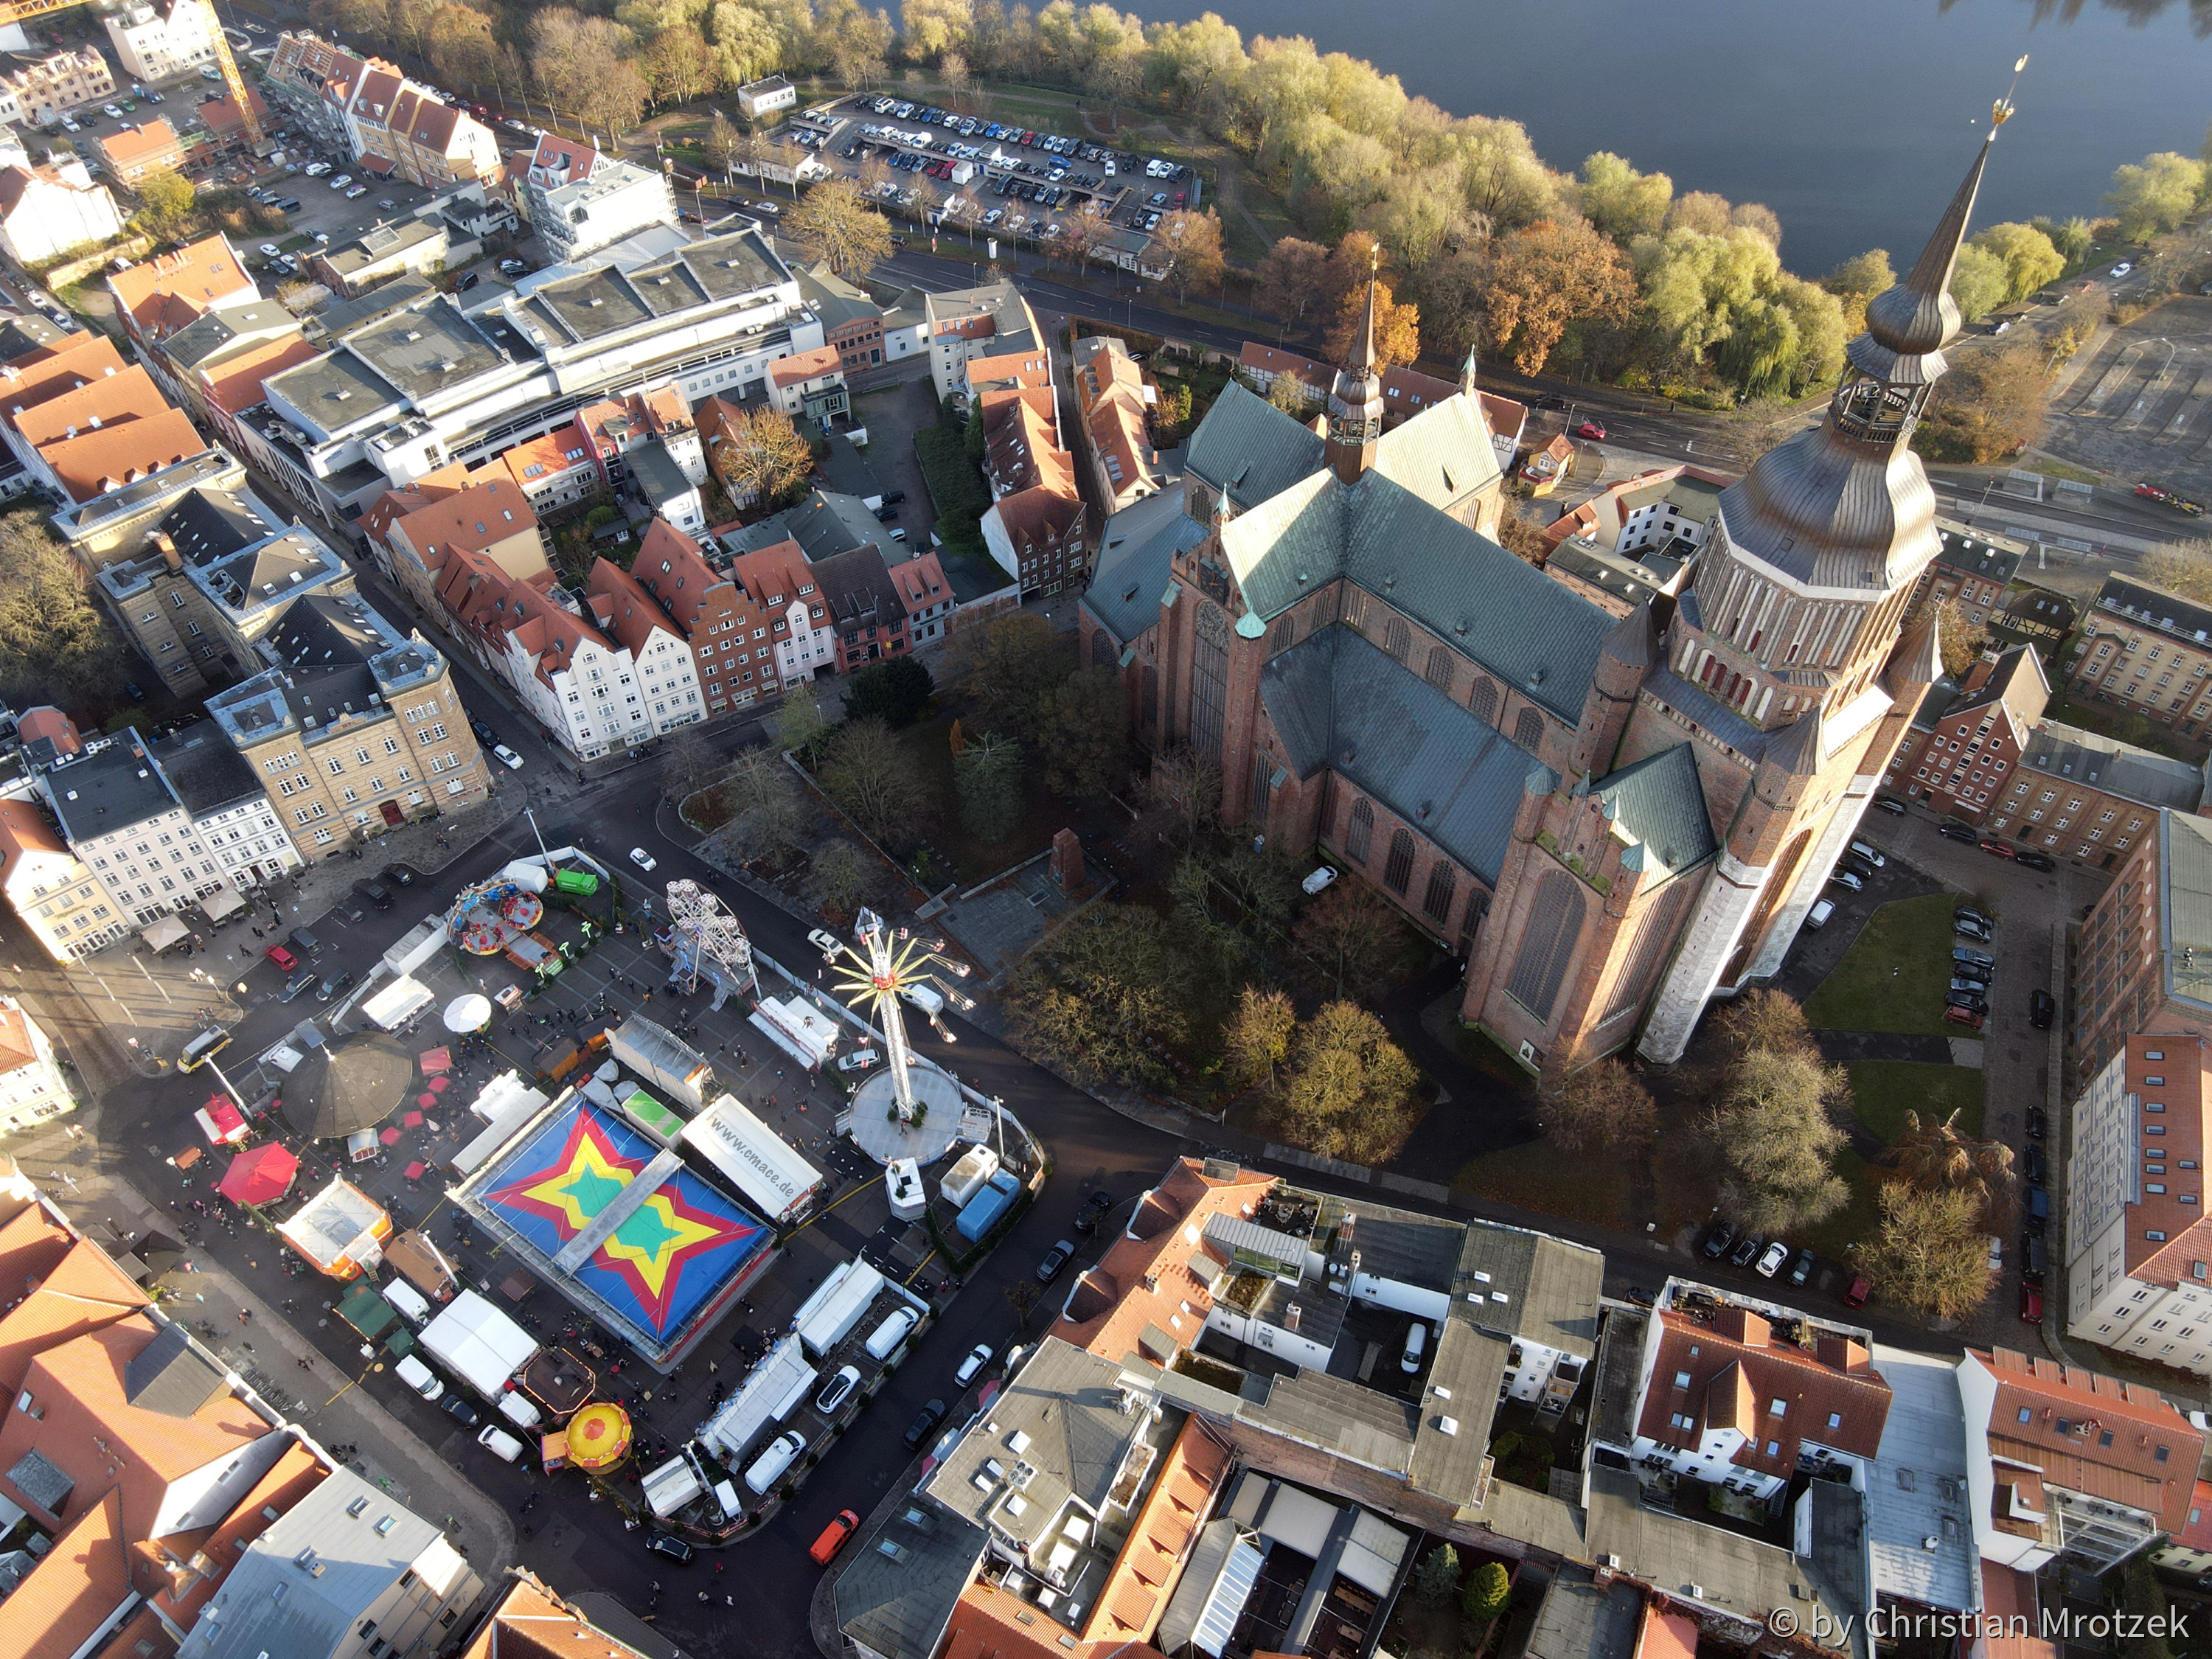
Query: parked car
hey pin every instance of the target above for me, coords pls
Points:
(667, 1544)
(2032, 1164)
(2033, 859)
(1771, 1259)
(1857, 865)
(1973, 999)
(1979, 958)
(825, 1548)
(1056, 1259)
(2041, 1010)
(398, 874)
(461, 1412)
(1801, 1268)
(1868, 851)
(2038, 1210)
(374, 892)
(2030, 1304)
(1718, 1241)
(1978, 987)
(1848, 879)
(1973, 930)
(298, 985)
(1890, 804)
(978, 1357)
(1856, 1293)
(2119, 270)
(1642, 1297)
(837, 1390)
(1973, 970)
(508, 757)
(1966, 1016)
(1319, 879)
(1551, 400)
(1817, 917)
(1965, 832)
(860, 1060)
(1590, 429)
(285, 961)
(643, 860)
(333, 984)
(1995, 848)
(2038, 1124)
(485, 735)
(1746, 1249)
(1966, 913)
(925, 1421)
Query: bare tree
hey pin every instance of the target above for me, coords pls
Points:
(869, 772)
(1591, 1106)
(836, 223)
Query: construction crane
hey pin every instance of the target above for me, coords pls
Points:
(22, 11)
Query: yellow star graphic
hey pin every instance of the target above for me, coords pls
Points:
(584, 1188)
(655, 1239)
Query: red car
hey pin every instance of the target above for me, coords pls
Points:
(283, 958)
(1590, 429)
(1994, 847)
(1856, 1293)
(833, 1536)
(1966, 1016)
(2031, 1305)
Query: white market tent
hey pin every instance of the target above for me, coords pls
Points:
(164, 933)
(766, 1169)
(479, 1343)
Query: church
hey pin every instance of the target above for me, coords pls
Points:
(1612, 819)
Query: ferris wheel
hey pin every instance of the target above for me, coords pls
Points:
(708, 939)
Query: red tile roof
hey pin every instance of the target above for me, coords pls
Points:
(93, 462)
(1145, 1276)
(625, 610)
(167, 291)
(2150, 1462)
(486, 513)
(804, 366)
(74, 1590)
(1731, 1372)
(1135, 1594)
(1272, 360)
(987, 1623)
(48, 373)
(671, 566)
(47, 722)
(108, 401)
(235, 384)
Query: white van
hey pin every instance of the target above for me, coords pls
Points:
(500, 1444)
(1417, 1342)
(927, 998)
(418, 1376)
(893, 1331)
(782, 1452)
(517, 1409)
(411, 1302)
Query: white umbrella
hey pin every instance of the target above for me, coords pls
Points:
(465, 1014)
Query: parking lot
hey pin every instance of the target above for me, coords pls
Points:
(2140, 411)
(984, 174)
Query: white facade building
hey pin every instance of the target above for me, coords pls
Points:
(2138, 1248)
(160, 42)
(128, 825)
(587, 695)
(48, 211)
(612, 201)
(32, 1087)
(52, 890)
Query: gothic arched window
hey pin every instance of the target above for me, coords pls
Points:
(1362, 827)
(1483, 702)
(1528, 730)
(1101, 649)
(1437, 902)
(1555, 923)
(1283, 635)
(1398, 870)
(1209, 693)
(1439, 673)
(1398, 639)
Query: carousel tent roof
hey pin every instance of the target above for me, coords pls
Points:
(353, 1086)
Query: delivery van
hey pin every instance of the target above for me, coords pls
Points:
(782, 1452)
(499, 1442)
(893, 1331)
(517, 1409)
(419, 1377)
(411, 1302)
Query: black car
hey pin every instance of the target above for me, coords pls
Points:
(333, 984)
(461, 1412)
(1718, 1243)
(374, 892)
(2035, 860)
(1093, 1212)
(2032, 1164)
(1857, 865)
(2038, 1124)
(1964, 832)
(485, 735)
(1056, 1259)
(893, 497)
(2041, 1010)
(925, 1421)
(1890, 804)
(1967, 954)
(1746, 1249)
(1551, 400)
(1971, 1000)
(467, 283)
(2038, 1210)
(1967, 914)
(1801, 1269)
(398, 874)
(1642, 1297)
(667, 1544)
(298, 985)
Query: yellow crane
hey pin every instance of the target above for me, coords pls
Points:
(22, 11)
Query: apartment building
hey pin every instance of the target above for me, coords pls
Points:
(51, 88)
(230, 808)
(1668, 510)
(32, 1087)
(1974, 567)
(1036, 527)
(852, 321)
(419, 246)
(157, 297)
(403, 391)
(53, 210)
(797, 638)
(810, 383)
(663, 484)
(1730, 1401)
(2135, 961)
(228, 381)
(2071, 1463)
(663, 659)
(215, 575)
(2149, 651)
(966, 325)
(2138, 1247)
(419, 138)
(2081, 796)
(164, 40)
(39, 435)
(127, 822)
(135, 151)
(579, 200)
(51, 889)
(724, 621)
(1111, 401)
(314, 80)
(353, 727)
(416, 531)
(1965, 742)
(556, 473)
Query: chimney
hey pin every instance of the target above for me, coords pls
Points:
(168, 549)
(1292, 1316)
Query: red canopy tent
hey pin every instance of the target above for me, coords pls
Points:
(259, 1175)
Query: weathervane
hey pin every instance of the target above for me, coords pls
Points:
(2002, 110)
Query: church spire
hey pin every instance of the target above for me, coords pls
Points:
(1467, 379)
(1355, 402)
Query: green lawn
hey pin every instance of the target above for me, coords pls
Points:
(1535, 1176)
(1893, 977)
(956, 490)
(1883, 1090)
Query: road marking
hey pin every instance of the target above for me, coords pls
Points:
(116, 999)
(151, 981)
